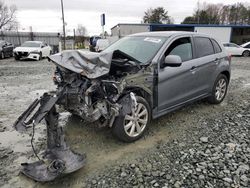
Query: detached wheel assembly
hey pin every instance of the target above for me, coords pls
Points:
(219, 90)
(131, 126)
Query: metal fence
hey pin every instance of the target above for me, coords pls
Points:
(17, 38)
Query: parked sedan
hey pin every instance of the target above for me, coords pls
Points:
(35, 50)
(234, 49)
(6, 49)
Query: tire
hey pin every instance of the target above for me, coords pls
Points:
(16, 57)
(246, 53)
(40, 56)
(2, 55)
(118, 128)
(219, 90)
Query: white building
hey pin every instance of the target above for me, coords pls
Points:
(225, 33)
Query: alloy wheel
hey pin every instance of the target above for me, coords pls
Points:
(246, 53)
(220, 89)
(135, 123)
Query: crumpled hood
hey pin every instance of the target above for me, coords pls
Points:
(90, 64)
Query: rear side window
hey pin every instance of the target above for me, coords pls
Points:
(247, 46)
(217, 48)
(203, 46)
(181, 47)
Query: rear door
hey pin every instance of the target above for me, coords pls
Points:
(177, 85)
(206, 61)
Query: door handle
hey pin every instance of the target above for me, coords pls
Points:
(193, 68)
(216, 61)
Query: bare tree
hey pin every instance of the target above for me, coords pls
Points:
(81, 30)
(7, 16)
(238, 13)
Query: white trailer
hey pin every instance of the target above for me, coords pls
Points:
(222, 34)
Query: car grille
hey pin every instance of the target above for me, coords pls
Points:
(23, 54)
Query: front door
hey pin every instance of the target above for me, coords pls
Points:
(176, 85)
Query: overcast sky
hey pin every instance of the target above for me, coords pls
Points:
(45, 15)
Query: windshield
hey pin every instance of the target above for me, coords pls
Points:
(141, 48)
(31, 44)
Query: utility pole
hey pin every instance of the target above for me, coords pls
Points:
(198, 12)
(74, 37)
(64, 33)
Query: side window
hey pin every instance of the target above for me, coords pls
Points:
(231, 45)
(203, 46)
(217, 48)
(247, 46)
(181, 47)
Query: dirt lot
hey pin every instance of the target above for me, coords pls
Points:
(197, 146)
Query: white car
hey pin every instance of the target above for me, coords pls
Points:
(234, 49)
(35, 50)
(101, 44)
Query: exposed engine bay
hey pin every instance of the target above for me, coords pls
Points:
(95, 99)
(95, 87)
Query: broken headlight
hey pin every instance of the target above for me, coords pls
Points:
(57, 78)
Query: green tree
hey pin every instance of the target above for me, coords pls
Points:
(157, 15)
(189, 20)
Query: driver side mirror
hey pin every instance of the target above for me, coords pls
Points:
(172, 61)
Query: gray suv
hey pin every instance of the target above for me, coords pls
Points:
(140, 77)
(181, 67)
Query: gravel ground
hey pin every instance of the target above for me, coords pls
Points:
(200, 145)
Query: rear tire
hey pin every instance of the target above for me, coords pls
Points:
(246, 53)
(219, 90)
(131, 127)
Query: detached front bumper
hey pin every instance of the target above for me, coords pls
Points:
(58, 159)
(27, 55)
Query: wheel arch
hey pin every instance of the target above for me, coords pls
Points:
(140, 92)
(227, 74)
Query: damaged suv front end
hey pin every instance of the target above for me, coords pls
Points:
(113, 88)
